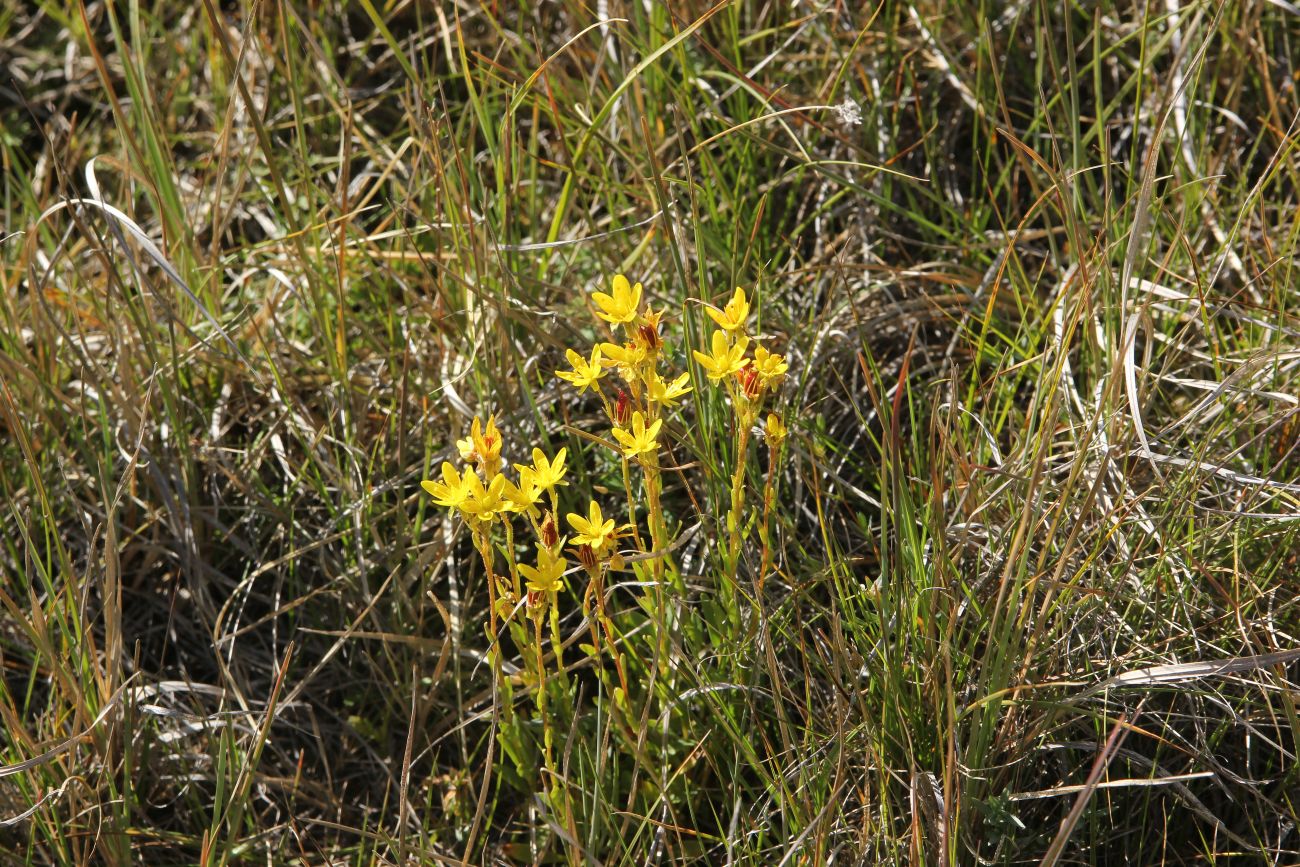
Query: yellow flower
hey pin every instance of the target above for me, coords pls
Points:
(593, 531)
(626, 357)
(770, 366)
(622, 306)
(776, 429)
(584, 373)
(726, 359)
(452, 491)
(545, 474)
(666, 393)
(482, 446)
(484, 502)
(524, 496)
(642, 439)
(733, 316)
(548, 576)
(488, 443)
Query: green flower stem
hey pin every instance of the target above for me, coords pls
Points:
(631, 504)
(658, 542)
(510, 559)
(765, 527)
(735, 517)
(483, 545)
(553, 785)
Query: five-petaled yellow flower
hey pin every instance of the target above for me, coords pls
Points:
(733, 316)
(593, 531)
(627, 357)
(484, 502)
(726, 358)
(769, 366)
(623, 305)
(584, 373)
(546, 474)
(641, 441)
(666, 393)
(452, 491)
(524, 496)
(548, 576)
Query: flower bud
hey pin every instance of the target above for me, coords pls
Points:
(549, 532)
(505, 605)
(587, 557)
(622, 408)
(750, 382)
(648, 336)
(775, 429)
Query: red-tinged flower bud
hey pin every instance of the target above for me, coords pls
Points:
(622, 408)
(649, 337)
(587, 557)
(549, 532)
(536, 601)
(750, 382)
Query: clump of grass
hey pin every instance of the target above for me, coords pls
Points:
(1001, 568)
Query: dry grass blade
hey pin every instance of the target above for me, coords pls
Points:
(1159, 675)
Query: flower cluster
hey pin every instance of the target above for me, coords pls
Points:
(483, 495)
(635, 411)
(748, 379)
(635, 407)
(631, 373)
